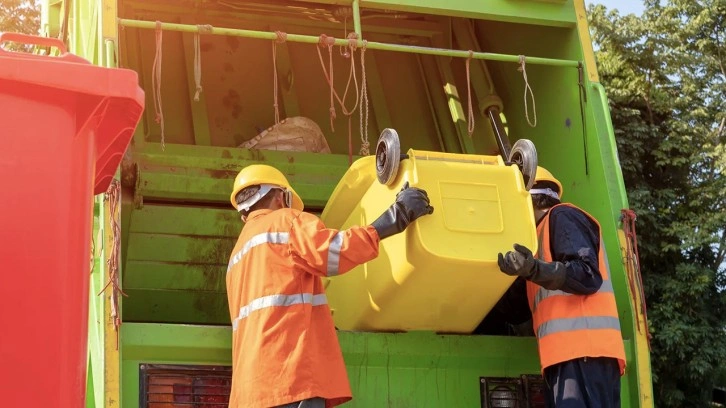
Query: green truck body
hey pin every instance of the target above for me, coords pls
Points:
(176, 228)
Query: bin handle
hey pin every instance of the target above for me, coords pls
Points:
(33, 39)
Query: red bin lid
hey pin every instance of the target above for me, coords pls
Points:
(120, 99)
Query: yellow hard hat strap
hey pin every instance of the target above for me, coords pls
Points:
(288, 198)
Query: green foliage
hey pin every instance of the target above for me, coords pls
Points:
(20, 16)
(666, 79)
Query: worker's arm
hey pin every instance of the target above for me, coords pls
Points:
(329, 252)
(574, 241)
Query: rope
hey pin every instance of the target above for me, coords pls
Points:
(326, 41)
(522, 68)
(365, 146)
(470, 120)
(281, 38)
(352, 45)
(205, 28)
(112, 196)
(633, 256)
(341, 49)
(352, 41)
(156, 83)
(197, 65)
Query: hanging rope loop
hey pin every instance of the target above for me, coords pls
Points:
(352, 45)
(112, 196)
(523, 69)
(156, 83)
(328, 42)
(470, 119)
(197, 64)
(365, 146)
(281, 37)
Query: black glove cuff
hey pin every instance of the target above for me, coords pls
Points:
(549, 275)
(391, 222)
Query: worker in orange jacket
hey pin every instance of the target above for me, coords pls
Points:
(285, 351)
(572, 302)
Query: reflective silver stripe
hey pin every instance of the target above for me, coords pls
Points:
(279, 301)
(542, 293)
(259, 239)
(334, 253)
(577, 323)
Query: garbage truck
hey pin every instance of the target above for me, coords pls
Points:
(348, 98)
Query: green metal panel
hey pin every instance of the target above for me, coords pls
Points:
(90, 389)
(96, 335)
(205, 174)
(176, 263)
(537, 12)
(176, 255)
(385, 370)
(170, 306)
(50, 18)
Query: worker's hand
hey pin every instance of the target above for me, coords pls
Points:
(411, 203)
(414, 202)
(519, 262)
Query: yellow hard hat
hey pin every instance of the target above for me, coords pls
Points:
(544, 175)
(258, 174)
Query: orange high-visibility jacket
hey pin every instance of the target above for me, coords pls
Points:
(284, 345)
(571, 326)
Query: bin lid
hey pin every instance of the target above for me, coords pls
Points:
(120, 99)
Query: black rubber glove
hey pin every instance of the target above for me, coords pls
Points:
(411, 203)
(521, 262)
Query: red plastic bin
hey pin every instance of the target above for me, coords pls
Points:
(64, 127)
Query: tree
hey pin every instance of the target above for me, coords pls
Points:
(22, 16)
(666, 82)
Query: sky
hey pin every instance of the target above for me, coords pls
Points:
(624, 6)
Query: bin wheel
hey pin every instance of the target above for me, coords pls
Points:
(388, 156)
(524, 155)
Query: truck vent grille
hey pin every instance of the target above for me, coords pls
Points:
(526, 391)
(534, 390)
(188, 386)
